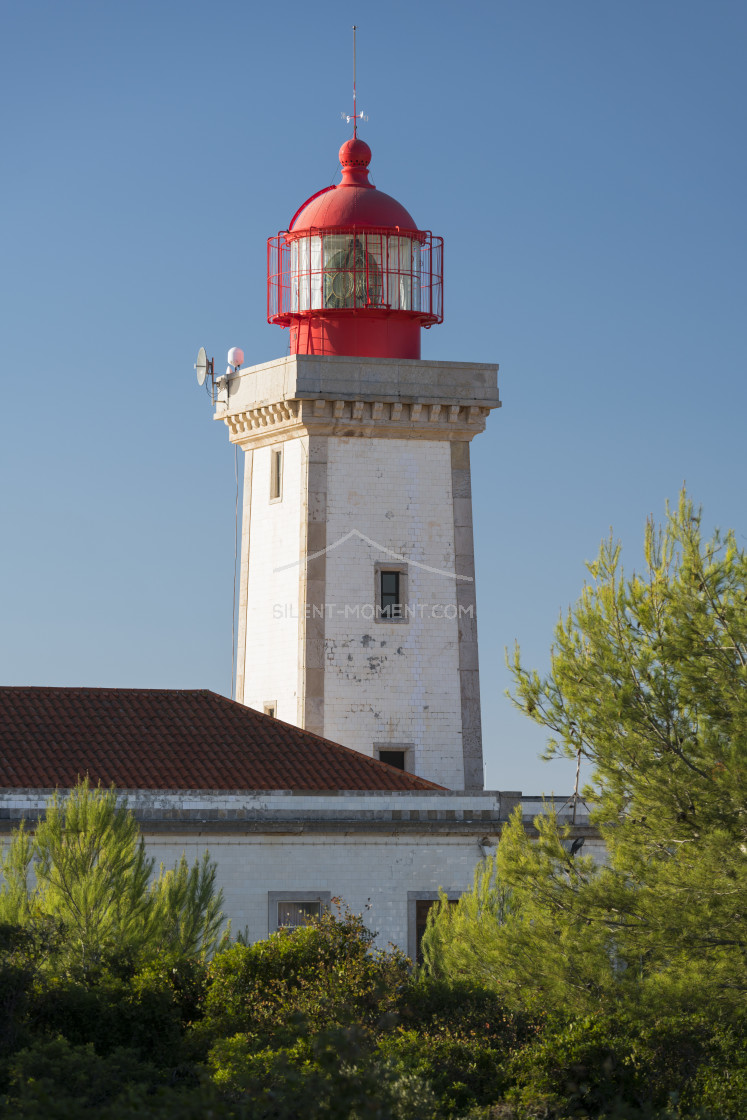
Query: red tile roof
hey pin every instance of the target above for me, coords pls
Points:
(142, 738)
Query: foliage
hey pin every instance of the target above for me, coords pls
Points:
(332, 1075)
(54, 1076)
(85, 875)
(720, 1083)
(187, 909)
(615, 1066)
(325, 974)
(15, 981)
(648, 682)
(54, 1080)
(554, 989)
(332, 1030)
(515, 933)
(457, 1038)
(140, 1014)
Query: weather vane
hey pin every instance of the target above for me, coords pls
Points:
(356, 115)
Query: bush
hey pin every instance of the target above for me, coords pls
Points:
(303, 980)
(462, 1072)
(719, 1086)
(142, 1015)
(50, 1078)
(462, 1006)
(602, 1066)
(331, 1076)
(457, 1037)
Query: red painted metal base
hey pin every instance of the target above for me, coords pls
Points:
(361, 336)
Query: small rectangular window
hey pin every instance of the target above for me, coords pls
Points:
(390, 589)
(391, 603)
(293, 908)
(270, 709)
(294, 914)
(401, 755)
(276, 474)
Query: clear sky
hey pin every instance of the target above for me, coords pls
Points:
(586, 165)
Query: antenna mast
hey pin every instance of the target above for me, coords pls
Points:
(355, 107)
(356, 115)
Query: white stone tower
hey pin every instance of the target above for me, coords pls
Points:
(357, 611)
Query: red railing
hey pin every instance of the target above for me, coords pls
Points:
(353, 270)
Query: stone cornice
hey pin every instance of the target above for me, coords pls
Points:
(388, 419)
(342, 825)
(367, 397)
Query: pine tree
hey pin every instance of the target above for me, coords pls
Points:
(647, 681)
(86, 870)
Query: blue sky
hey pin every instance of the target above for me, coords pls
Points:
(585, 163)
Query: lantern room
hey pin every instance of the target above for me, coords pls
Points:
(353, 274)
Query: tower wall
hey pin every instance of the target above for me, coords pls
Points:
(270, 604)
(375, 476)
(393, 683)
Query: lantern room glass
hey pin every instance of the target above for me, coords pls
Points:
(355, 269)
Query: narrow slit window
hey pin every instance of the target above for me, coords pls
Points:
(391, 603)
(276, 474)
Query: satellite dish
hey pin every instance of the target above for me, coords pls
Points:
(202, 365)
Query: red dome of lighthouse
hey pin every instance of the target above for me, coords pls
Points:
(354, 201)
(353, 274)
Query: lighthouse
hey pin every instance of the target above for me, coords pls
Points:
(353, 275)
(357, 606)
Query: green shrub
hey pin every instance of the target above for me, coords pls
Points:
(49, 1077)
(461, 1071)
(457, 1037)
(719, 1085)
(462, 1006)
(84, 876)
(331, 1076)
(141, 1015)
(303, 980)
(606, 1067)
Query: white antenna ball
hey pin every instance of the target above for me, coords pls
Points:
(235, 356)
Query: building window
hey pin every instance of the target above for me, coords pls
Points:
(270, 708)
(391, 603)
(391, 592)
(419, 904)
(276, 474)
(294, 914)
(291, 909)
(396, 754)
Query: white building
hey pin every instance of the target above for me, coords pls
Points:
(357, 614)
(291, 819)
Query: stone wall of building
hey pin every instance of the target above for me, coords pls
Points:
(377, 852)
(373, 874)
